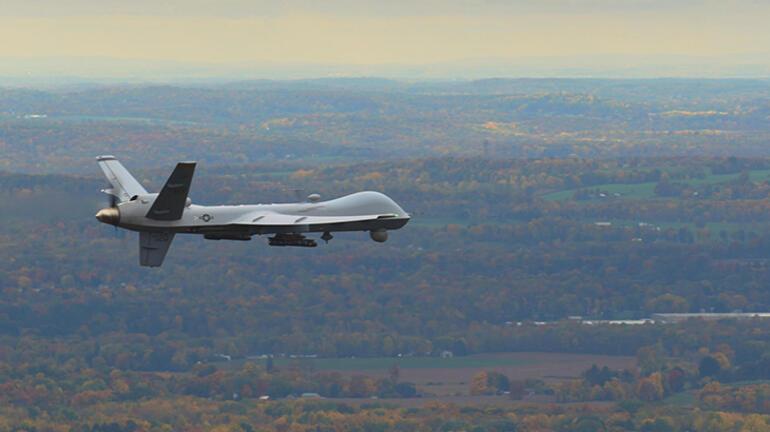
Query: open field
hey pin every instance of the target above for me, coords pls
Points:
(408, 363)
(625, 190)
(647, 190)
(478, 402)
(444, 377)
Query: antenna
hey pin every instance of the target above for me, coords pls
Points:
(299, 194)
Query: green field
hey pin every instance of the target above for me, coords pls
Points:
(647, 190)
(684, 399)
(633, 190)
(755, 176)
(713, 228)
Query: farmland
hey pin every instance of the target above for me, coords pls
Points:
(438, 377)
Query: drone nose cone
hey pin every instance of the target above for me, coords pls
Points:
(109, 215)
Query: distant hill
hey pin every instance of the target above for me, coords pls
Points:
(359, 119)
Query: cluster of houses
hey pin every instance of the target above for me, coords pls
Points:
(656, 318)
(673, 318)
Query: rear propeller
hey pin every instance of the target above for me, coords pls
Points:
(114, 204)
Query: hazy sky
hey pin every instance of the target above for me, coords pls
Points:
(382, 32)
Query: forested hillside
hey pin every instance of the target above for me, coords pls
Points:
(624, 206)
(332, 120)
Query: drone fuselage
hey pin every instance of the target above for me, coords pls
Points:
(244, 220)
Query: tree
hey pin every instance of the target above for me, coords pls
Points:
(668, 303)
(708, 366)
(394, 372)
(406, 390)
(459, 348)
(650, 388)
(675, 379)
(597, 377)
(650, 358)
(657, 425)
(614, 390)
(479, 384)
(588, 423)
(517, 389)
(497, 382)
(361, 386)
(722, 359)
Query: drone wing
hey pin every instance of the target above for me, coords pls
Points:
(270, 219)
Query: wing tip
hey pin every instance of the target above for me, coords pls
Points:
(105, 158)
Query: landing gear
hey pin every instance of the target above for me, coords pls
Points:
(291, 240)
(327, 236)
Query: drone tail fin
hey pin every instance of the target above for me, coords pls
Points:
(124, 185)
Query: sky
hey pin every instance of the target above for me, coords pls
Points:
(364, 37)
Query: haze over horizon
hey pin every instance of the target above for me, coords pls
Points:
(239, 39)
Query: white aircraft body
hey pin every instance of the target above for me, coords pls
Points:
(159, 216)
